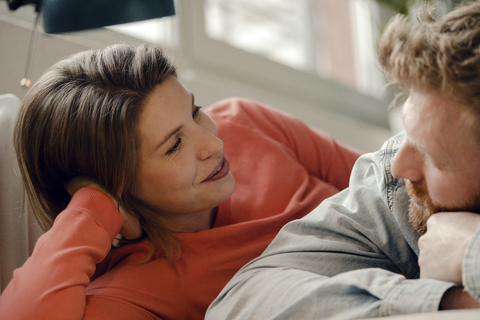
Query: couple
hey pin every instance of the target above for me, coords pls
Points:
(164, 183)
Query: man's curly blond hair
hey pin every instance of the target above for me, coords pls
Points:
(437, 55)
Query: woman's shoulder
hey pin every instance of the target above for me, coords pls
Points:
(234, 108)
(248, 113)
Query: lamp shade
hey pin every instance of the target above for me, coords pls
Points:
(74, 15)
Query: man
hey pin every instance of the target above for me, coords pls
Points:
(405, 236)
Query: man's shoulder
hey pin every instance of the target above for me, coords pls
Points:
(389, 149)
(394, 187)
(379, 164)
(392, 145)
(384, 156)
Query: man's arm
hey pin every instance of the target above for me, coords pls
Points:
(347, 259)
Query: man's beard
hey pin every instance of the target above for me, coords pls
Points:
(418, 215)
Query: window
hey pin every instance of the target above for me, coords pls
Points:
(277, 29)
(159, 31)
(317, 52)
(334, 39)
(299, 78)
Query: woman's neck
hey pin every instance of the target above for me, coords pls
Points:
(196, 222)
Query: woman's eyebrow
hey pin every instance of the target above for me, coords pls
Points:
(174, 131)
(168, 136)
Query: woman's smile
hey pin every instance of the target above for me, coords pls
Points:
(220, 171)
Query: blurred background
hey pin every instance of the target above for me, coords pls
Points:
(315, 59)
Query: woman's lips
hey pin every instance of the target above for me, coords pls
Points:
(220, 171)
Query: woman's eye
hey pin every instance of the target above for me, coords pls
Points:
(175, 147)
(196, 112)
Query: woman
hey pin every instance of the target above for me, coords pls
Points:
(117, 130)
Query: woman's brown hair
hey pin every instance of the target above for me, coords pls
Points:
(80, 118)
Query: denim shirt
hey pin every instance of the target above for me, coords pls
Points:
(355, 256)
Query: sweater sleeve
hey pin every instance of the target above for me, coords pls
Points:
(51, 284)
(321, 155)
(314, 149)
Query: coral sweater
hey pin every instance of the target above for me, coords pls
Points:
(283, 170)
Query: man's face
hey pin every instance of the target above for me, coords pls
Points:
(439, 160)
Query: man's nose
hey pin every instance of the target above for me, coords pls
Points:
(408, 163)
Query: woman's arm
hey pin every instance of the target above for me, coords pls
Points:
(131, 228)
(51, 284)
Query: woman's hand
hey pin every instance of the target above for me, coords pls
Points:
(131, 228)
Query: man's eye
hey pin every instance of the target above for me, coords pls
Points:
(196, 111)
(175, 147)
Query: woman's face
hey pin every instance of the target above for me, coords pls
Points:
(183, 174)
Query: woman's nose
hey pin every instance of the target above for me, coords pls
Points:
(408, 163)
(209, 145)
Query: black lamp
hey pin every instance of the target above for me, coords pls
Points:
(75, 15)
